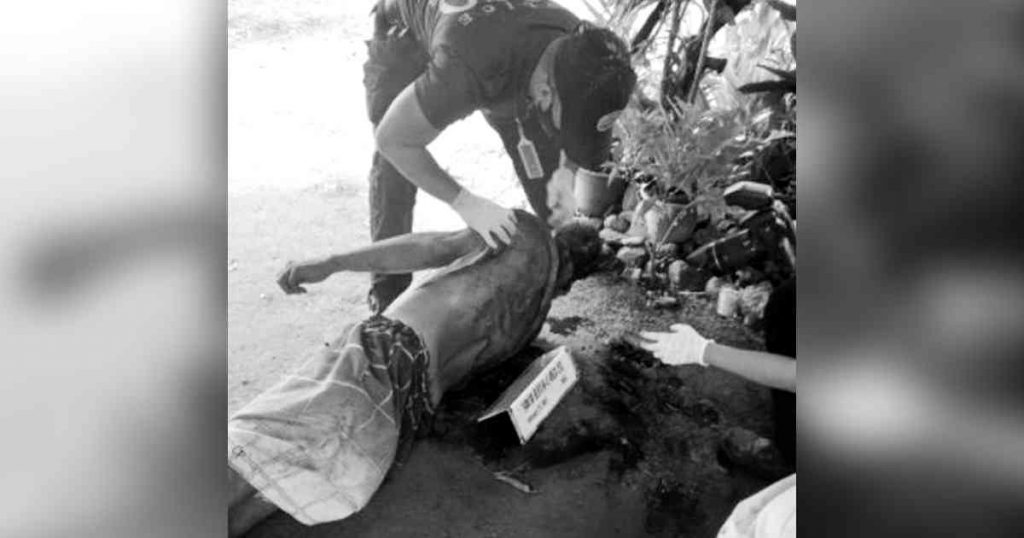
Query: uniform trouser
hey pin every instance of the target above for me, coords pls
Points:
(395, 61)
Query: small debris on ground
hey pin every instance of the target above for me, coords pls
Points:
(666, 303)
(753, 299)
(504, 476)
(632, 256)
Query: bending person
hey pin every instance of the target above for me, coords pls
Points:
(319, 444)
(550, 85)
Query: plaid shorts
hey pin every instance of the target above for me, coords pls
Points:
(320, 442)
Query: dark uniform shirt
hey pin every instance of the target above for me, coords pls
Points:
(482, 52)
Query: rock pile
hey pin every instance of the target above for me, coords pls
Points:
(652, 238)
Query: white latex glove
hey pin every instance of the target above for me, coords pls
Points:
(561, 197)
(683, 345)
(486, 218)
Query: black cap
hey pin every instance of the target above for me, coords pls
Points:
(593, 78)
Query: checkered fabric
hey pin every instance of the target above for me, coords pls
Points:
(319, 443)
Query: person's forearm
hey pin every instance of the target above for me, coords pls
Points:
(420, 168)
(405, 253)
(767, 369)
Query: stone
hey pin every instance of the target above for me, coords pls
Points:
(634, 274)
(595, 223)
(632, 256)
(685, 248)
(683, 225)
(659, 219)
(745, 449)
(683, 277)
(617, 223)
(706, 235)
(631, 194)
(749, 276)
(666, 303)
(753, 300)
(675, 273)
(656, 222)
(632, 241)
(638, 226)
(612, 237)
(667, 251)
(751, 320)
(608, 261)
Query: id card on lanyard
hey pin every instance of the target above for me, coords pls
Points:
(528, 155)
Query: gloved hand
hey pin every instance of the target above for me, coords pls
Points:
(683, 345)
(486, 218)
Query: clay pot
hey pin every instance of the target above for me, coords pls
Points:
(630, 195)
(659, 220)
(682, 226)
(595, 192)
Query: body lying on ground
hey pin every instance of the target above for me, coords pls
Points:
(318, 444)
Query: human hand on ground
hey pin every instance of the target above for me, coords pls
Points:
(295, 274)
(683, 345)
(495, 224)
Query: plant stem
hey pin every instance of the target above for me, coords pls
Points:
(650, 24)
(666, 74)
(703, 52)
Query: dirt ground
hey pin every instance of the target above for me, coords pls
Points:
(632, 451)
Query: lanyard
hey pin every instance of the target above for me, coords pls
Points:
(526, 148)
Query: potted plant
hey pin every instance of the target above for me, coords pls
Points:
(597, 192)
(689, 151)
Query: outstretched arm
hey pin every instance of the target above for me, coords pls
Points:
(684, 345)
(761, 367)
(402, 254)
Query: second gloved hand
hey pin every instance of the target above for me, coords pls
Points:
(495, 224)
(683, 345)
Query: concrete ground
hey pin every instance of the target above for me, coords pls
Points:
(632, 449)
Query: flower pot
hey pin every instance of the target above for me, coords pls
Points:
(682, 226)
(659, 220)
(595, 192)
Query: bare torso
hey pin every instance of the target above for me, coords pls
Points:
(484, 307)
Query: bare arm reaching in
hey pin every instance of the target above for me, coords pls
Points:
(402, 254)
(684, 345)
